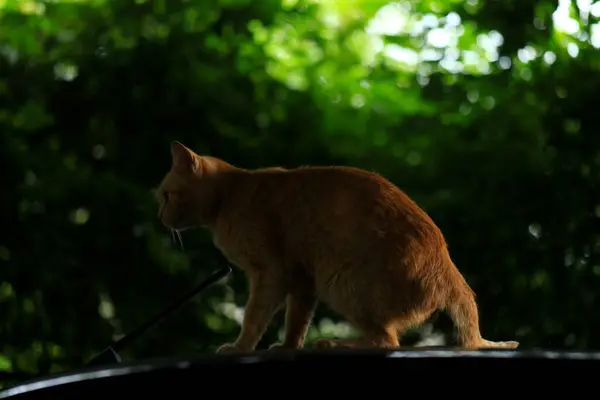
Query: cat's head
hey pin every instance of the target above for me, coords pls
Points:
(185, 196)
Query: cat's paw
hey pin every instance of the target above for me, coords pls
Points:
(277, 346)
(228, 348)
(282, 346)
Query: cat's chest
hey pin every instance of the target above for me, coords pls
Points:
(243, 244)
(230, 248)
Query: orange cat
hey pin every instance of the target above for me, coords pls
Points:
(340, 235)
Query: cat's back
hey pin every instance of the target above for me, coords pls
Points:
(347, 206)
(323, 192)
(330, 177)
(317, 210)
(358, 185)
(333, 190)
(316, 183)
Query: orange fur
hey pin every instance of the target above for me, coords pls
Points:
(341, 235)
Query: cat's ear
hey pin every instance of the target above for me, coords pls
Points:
(184, 159)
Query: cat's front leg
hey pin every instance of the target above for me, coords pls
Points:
(301, 302)
(266, 296)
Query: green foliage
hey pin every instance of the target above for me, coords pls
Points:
(481, 111)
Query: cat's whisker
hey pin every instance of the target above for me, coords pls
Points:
(180, 239)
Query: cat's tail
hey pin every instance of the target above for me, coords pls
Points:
(462, 307)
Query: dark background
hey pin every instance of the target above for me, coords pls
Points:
(490, 127)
